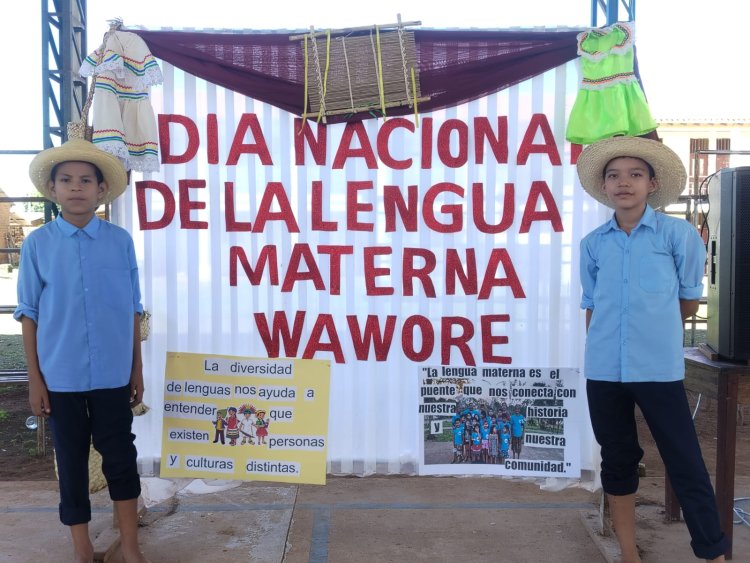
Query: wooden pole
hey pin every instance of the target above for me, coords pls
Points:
(353, 29)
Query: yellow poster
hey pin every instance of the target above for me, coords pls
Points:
(249, 419)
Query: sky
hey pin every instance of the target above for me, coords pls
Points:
(687, 49)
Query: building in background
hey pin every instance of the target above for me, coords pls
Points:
(688, 136)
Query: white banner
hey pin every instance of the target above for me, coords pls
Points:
(380, 246)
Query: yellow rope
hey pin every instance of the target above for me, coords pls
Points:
(325, 74)
(380, 72)
(304, 105)
(348, 75)
(414, 95)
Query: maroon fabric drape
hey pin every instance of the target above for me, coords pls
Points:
(455, 66)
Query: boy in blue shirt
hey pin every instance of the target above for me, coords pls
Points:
(458, 441)
(504, 443)
(79, 307)
(642, 275)
(517, 427)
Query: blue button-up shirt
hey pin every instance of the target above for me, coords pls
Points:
(633, 285)
(81, 288)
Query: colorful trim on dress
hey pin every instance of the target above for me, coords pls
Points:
(607, 81)
(122, 91)
(621, 48)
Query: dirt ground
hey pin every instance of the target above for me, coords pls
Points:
(23, 458)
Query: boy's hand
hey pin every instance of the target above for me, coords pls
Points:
(39, 397)
(136, 387)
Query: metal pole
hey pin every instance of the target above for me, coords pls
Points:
(612, 11)
(46, 138)
(594, 12)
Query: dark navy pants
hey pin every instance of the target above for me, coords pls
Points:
(101, 416)
(667, 413)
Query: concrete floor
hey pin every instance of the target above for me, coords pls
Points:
(352, 520)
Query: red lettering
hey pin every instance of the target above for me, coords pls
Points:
(453, 210)
(259, 147)
(318, 224)
(575, 152)
(354, 207)
(477, 209)
(530, 214)
(275, 192)
(393, 202)
(427, 334)
(444, 143)
(280, 332)
(454, 270)
(305, 135)
(500, 256)
(300, 252)
(346, 151)
(411, 271)
(373, 337)
(169, 204)
(460, 341)
(233, 226)
(212, 132)
(267, 256)
(538, 123)
(426, 143)
(498, 143)
(165, 138)
(187, 204)
(489, 340)
(324, 322)
(384, 135)
(371, 272)
(334, 270)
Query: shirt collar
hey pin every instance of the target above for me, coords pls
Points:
(648, 219)
(68, 229)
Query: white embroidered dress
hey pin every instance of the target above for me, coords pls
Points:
(124, 122)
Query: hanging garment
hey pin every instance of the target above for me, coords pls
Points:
(124, 122)
(610, 100)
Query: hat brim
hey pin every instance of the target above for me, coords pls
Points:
(40, 169)
(668, 167)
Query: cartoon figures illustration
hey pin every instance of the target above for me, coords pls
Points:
(233, 430)
(261, 426)
(247, 425)
(219, 425)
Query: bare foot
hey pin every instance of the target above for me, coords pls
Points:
(133, 556)
(82, 554)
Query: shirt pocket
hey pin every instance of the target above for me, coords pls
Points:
(116, 289)
(657, 273)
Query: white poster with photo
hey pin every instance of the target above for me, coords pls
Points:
(500, 420)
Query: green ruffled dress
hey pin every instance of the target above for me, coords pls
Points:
(610, 100)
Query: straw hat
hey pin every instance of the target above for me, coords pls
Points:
(670, 172)
(40, 169)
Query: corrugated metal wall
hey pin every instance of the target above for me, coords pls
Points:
(374, 426)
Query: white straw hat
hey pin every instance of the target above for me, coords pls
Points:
(669, 170)
(40, 169)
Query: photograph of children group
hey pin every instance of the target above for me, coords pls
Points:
(485, 430)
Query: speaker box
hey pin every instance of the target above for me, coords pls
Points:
(729, 263)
